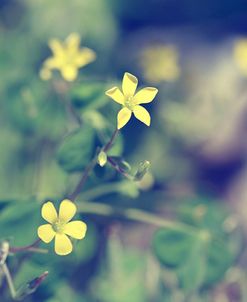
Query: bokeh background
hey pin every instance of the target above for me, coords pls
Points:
(195, 53)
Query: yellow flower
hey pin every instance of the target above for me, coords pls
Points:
(67, 58)
(60, 226)
(240, 55)
(160, 63)
(131, 101)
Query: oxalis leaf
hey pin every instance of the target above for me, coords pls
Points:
(183, 253)
(196, 259)
(76, 150)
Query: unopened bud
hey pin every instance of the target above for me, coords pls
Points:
(102, 158)
(142, 169)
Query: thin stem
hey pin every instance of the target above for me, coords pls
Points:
(136, 215)
(118, 169)
(90, 167)
(101, 190)
(83, 179)
(30, 248)
(109, 144)
(9, 280)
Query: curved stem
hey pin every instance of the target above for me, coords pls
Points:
(118, 169)
(102, 190)
(28, 248)
(136, 215)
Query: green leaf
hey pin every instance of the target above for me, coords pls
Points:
(192, 273)
(199, 260)
(117, 147)
(76, 150)
(88, 95)
(122, 277)
(172, 246)
(183, 253)
(219, 259)
(19, 222)
(129, 189)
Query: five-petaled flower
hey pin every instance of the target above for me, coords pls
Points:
(67, 57)
(60, 226)
(131, 101)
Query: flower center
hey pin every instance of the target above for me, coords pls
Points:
(59, 226)
(129, 103)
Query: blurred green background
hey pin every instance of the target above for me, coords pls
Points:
(196, 145)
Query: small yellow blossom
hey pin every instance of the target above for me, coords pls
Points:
(130, 100)
(59, 226)
(160, 63)
(240, 55)
(67, 57)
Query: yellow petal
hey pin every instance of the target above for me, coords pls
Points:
(145, 95)
(52, 63)
(142, 115)
(123, 117)
(45, 74)
(63, 245)
(129, 84)
(76, 229)
(73, 40)
(56, 46)
(85, 56)
(116, 94)
(49, 212)
(69, 73)
(67, 210)
(46, 233)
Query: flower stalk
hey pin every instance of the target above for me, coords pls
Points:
(135, 215)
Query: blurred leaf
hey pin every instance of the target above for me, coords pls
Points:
(19, 222)
(123, 277)
(64, 293)
(198, 261)
(34, 109)
(88, 96)
(192, 273)
(172, 247)
(184, 254)
(117, 147)
(76, 150)
(95, 119)
(128, 188)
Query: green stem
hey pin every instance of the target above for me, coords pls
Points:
(9, 280)
(101, 190)
(135, 215)
(118, 169)
(83, 179)
(90, 167)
